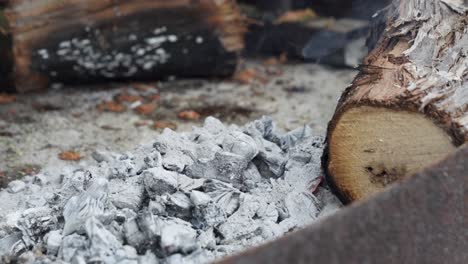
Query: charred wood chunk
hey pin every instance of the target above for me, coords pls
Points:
(95, 41)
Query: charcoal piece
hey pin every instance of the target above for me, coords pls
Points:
(72, 246)
(121, 216)
(208, 215)
(36, 201)
(251, 176)
(157, 206)
(34, 223)
(148, 225)
(73, 184)
(146, 157)
(7, 243)
(148, 258)
(127, 193)
(123, 166)
(179, 205)
(54, 240)
(241, 224)
(188, 184)
(207, 239)
(199, 198)
(224, 194)
(241, 144)
(225, 166)
(176, 161)
(41, 180)
(177, 236)
(289, 140)
(271, 160)
(213, 125)
(126, 255)
(103, 244)
(90, 203)
(159, 181)
(306, 150)
(133, 235)
(16, 186)
(176, 150)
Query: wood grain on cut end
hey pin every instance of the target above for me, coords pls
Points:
(408, 106)
(373, 147)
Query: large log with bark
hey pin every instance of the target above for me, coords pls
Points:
(408, 106)
(83, 41)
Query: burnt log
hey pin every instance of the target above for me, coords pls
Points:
(85, 41)
(408, 106)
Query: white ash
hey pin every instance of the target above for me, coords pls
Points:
(185, 198)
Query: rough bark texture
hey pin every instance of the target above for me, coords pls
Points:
(421, 220)
(81, 41)
(418, 65)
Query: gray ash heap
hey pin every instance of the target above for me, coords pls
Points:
(186, 198)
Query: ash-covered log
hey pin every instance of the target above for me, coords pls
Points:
(85, 41)
(408, 107)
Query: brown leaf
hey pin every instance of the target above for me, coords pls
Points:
(111, 106)
(164, 124)
(141, 123)
(296, 16)
(249, 76)
(189, 115)
(70, 156)
(7, 98)
(146, 109)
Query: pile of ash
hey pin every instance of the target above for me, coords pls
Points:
(186, 198)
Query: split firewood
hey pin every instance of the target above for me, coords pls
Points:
(408, 106)
(86, 41)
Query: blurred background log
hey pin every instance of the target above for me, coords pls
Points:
(321, 31)
(85, 41)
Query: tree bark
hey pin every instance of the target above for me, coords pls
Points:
(86, 41)
(408, 106)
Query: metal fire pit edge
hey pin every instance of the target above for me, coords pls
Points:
(423, 219)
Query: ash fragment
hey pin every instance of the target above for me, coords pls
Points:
(185, 198)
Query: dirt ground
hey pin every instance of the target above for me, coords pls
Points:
(36, 128)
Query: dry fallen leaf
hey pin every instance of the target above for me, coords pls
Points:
(7, 98)
(146, 109)
(164, 124)
(70, 156)
(189, 115)
(111, 106)
(248, 76)
(141, 123)
(296, 16)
